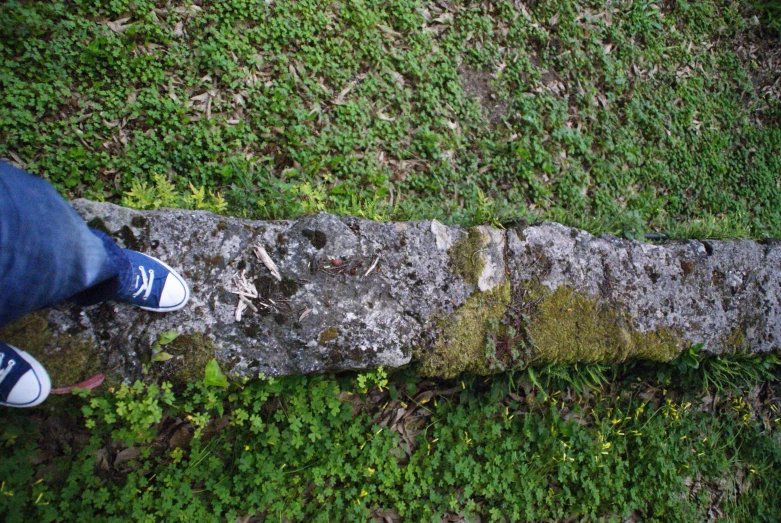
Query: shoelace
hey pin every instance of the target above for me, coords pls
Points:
(146, 282)
(7, 369)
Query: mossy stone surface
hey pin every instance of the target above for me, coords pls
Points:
(568, 327)
(329, 334)
(616, 299)
(465, 256)
(69, 359)
(191, 353)
(735, 341)
(462, 344)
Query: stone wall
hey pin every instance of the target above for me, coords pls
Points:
(357, 294)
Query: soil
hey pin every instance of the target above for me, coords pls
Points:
(478, 84)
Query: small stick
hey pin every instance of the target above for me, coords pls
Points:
(249, 303)
(263, 256)
(240, 307)
(372, 266)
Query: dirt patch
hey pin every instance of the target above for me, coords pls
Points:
(478, 84)
(759, 51)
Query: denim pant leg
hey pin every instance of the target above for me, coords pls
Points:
(47, 252)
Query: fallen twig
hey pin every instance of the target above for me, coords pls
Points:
(263, 256)
(372, 266)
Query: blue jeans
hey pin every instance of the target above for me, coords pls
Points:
(47, 252)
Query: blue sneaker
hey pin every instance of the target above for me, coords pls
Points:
(153, 285)
(23, 381)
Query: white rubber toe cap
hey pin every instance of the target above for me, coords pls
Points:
(175, 293)
(32, 388)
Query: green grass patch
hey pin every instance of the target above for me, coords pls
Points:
(664, 443)
(624, 117)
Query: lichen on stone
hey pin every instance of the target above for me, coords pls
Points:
(329, 334)
(465, 256)
(317, 238)
(97, 223)
(461, 345)
(568, 327)
(735, 341)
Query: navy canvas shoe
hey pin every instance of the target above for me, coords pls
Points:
(153, 285)
(23, 381)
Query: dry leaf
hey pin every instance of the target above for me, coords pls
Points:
(118, 26)
(126, 455)
(372, 266)
(91, 383)
(263, 256)
(340, 99)
(424, 397)
(249, 303)
(385, 117)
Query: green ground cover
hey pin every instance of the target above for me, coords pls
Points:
(596, 443)
(623, 116)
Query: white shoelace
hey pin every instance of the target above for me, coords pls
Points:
(146, 282)
(7, 369)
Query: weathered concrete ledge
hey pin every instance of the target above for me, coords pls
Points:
(357, 294)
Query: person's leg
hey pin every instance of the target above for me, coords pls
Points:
(48, 255)
(47, 252)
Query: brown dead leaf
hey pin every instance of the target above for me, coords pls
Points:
(126, 455)
(344, 92)
(181, 438)
(385, 516)
(424, 397)
(215, 426)
(101, 459)
(118, 26)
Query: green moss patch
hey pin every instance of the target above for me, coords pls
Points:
(461, 346)
(191, 354)
(465, 257)
(735, 341)
(69, 359)
(567, 327)
(329, 334)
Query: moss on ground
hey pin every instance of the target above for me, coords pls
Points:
(461, 345)
(69, 359)
(465, 256)
(191, 354)
(567, 327)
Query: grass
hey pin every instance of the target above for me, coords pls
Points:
(624, 117)
(621, 117)
(623, 443)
